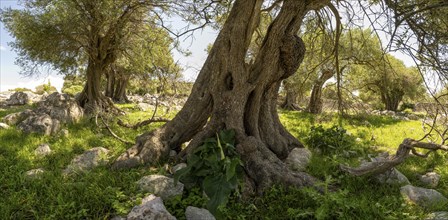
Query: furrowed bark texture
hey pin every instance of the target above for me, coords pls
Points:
(290, 102)
(91, 98)
(315, 105)
(231, 94)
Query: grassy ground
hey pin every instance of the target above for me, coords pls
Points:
(102, 193)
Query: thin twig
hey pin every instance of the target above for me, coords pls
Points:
(113, 134)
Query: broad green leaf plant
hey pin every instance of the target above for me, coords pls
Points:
(215, 167)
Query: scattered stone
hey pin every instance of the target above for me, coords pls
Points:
(144, 107)
(437, 216)
(393, 177)
(178, 167)
(34, 173)
(42, 150)
(431, 179)
(15, 118)
(161, 186)
(64, 133)
(4, 126)
(152, 208)
(427, 198)
(298, 159)
(413, 117)
(61, 107)
(88, 160)
(42, 124)
(19, 98)
(193, 213)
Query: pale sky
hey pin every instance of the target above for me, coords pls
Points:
(9, 72)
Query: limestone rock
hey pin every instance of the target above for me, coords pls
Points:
(437, 216)
(161, 186)
(88, 160)
(64, 133)
(4, 126)
(34, 173)
(394, 177)
(42, 124)
(42, 150)
(193, 213)
(152, 208)
(427, 198)
(19, 98)
(298, 159)
(144, 107)
(15, 118)
(431, 179)
(61, 107)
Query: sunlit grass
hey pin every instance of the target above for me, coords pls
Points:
(103, 193)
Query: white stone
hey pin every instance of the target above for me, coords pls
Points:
(88, 160)
(4, 126)
(427, 198)
(431, 179)
(42, 150)
(152, 208)
(160, 186)
(34, 173)
(193, 213)
(298, 159)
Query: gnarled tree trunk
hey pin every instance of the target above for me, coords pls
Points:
(231, 94)
(290, 102)
(391, 99)
(315, 105)
(91, 98)
(116, 85)
(101, 55)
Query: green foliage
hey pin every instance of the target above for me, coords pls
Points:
(73, 84)
(45, 88)
(21, 90)
(215, 167)
(329, 140)
(407, 106)
(177, 205)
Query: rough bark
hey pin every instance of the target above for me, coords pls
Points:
(391, 99)
(116, 85)
(315, 104)
(91, 98)
(290, 102)
(231, 94)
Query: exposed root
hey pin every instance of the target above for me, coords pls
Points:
(407, 147)
(111, 132)
(142, 123)
(265, 169)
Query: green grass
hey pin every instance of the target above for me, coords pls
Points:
(103, 193)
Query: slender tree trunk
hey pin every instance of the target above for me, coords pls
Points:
(116, 85)
(315, 104)
(391, 99)
(290, 102)
(231, 94)
(120, 90)
(110, 83)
